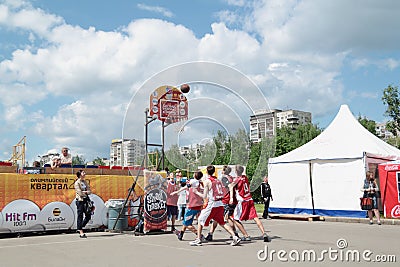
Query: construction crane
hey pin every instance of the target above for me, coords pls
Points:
(19, 152)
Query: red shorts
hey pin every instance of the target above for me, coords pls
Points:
(245, 211)
(208, 214)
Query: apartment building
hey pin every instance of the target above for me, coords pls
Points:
(382, 132)
(265, 122)
(127, 152)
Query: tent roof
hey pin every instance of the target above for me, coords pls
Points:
(344, 138)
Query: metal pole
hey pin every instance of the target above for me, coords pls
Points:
(311, 187)
(162, 148)
(145, 137)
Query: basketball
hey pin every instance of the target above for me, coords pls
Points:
(185, 88)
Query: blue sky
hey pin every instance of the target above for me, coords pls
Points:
(69, 70)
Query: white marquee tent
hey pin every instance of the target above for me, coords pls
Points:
(325, 175)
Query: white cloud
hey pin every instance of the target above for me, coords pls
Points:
(20, 14)
(363, 95)
(232, 47)
(239, 3)
(386, 63)
(15, 117)
(360, 63)
(291, 26)
(157, 9)
(293, 50)
(86, 126)
(228, 17)
(390, 63)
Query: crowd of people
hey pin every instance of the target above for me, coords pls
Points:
(226, 202)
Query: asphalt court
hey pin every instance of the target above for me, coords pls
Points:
(294, 243)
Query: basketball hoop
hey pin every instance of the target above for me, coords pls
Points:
(168, 104)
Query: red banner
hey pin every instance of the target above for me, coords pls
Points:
(389, 177)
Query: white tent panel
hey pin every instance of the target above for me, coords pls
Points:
(336, 185)
(291, 186)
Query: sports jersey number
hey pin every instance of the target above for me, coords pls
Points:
(246, 188)
(219, 189)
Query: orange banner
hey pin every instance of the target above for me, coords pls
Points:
(31, 202)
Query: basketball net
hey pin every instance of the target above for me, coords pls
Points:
(179, 126)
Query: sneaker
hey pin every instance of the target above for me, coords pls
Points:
(245, 238)
(266, 238)
(180, 236)
(209, 237)
(236, 241)
(371, 222)
(83, 236)
(379, 223)
(203, 239)
(196, 242)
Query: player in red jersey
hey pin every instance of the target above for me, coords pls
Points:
(245, 209)
(229, 209)
(214, 191)
(172, 201)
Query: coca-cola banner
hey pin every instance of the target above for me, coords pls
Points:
(389, 177)
(155, 201)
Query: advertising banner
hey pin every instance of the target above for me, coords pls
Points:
(40, 202)
(389, 177)
(155, 201)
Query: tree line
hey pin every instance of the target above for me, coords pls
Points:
(237, 148)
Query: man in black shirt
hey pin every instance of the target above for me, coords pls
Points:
(266, 195)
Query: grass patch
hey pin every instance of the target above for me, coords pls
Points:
(259, 207)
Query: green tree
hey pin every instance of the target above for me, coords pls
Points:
(98, 161)
(239, 147)
(206, 155)
(175, 159)
(288, 139)
(78, 160)
(257, 166)
(222, 148)
(370, 125)
(391, 99)
(394, 141)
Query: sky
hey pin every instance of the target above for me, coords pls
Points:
(80, 73)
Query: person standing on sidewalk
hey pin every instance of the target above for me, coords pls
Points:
(82, 192)
(371, 189)
(266, 194)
